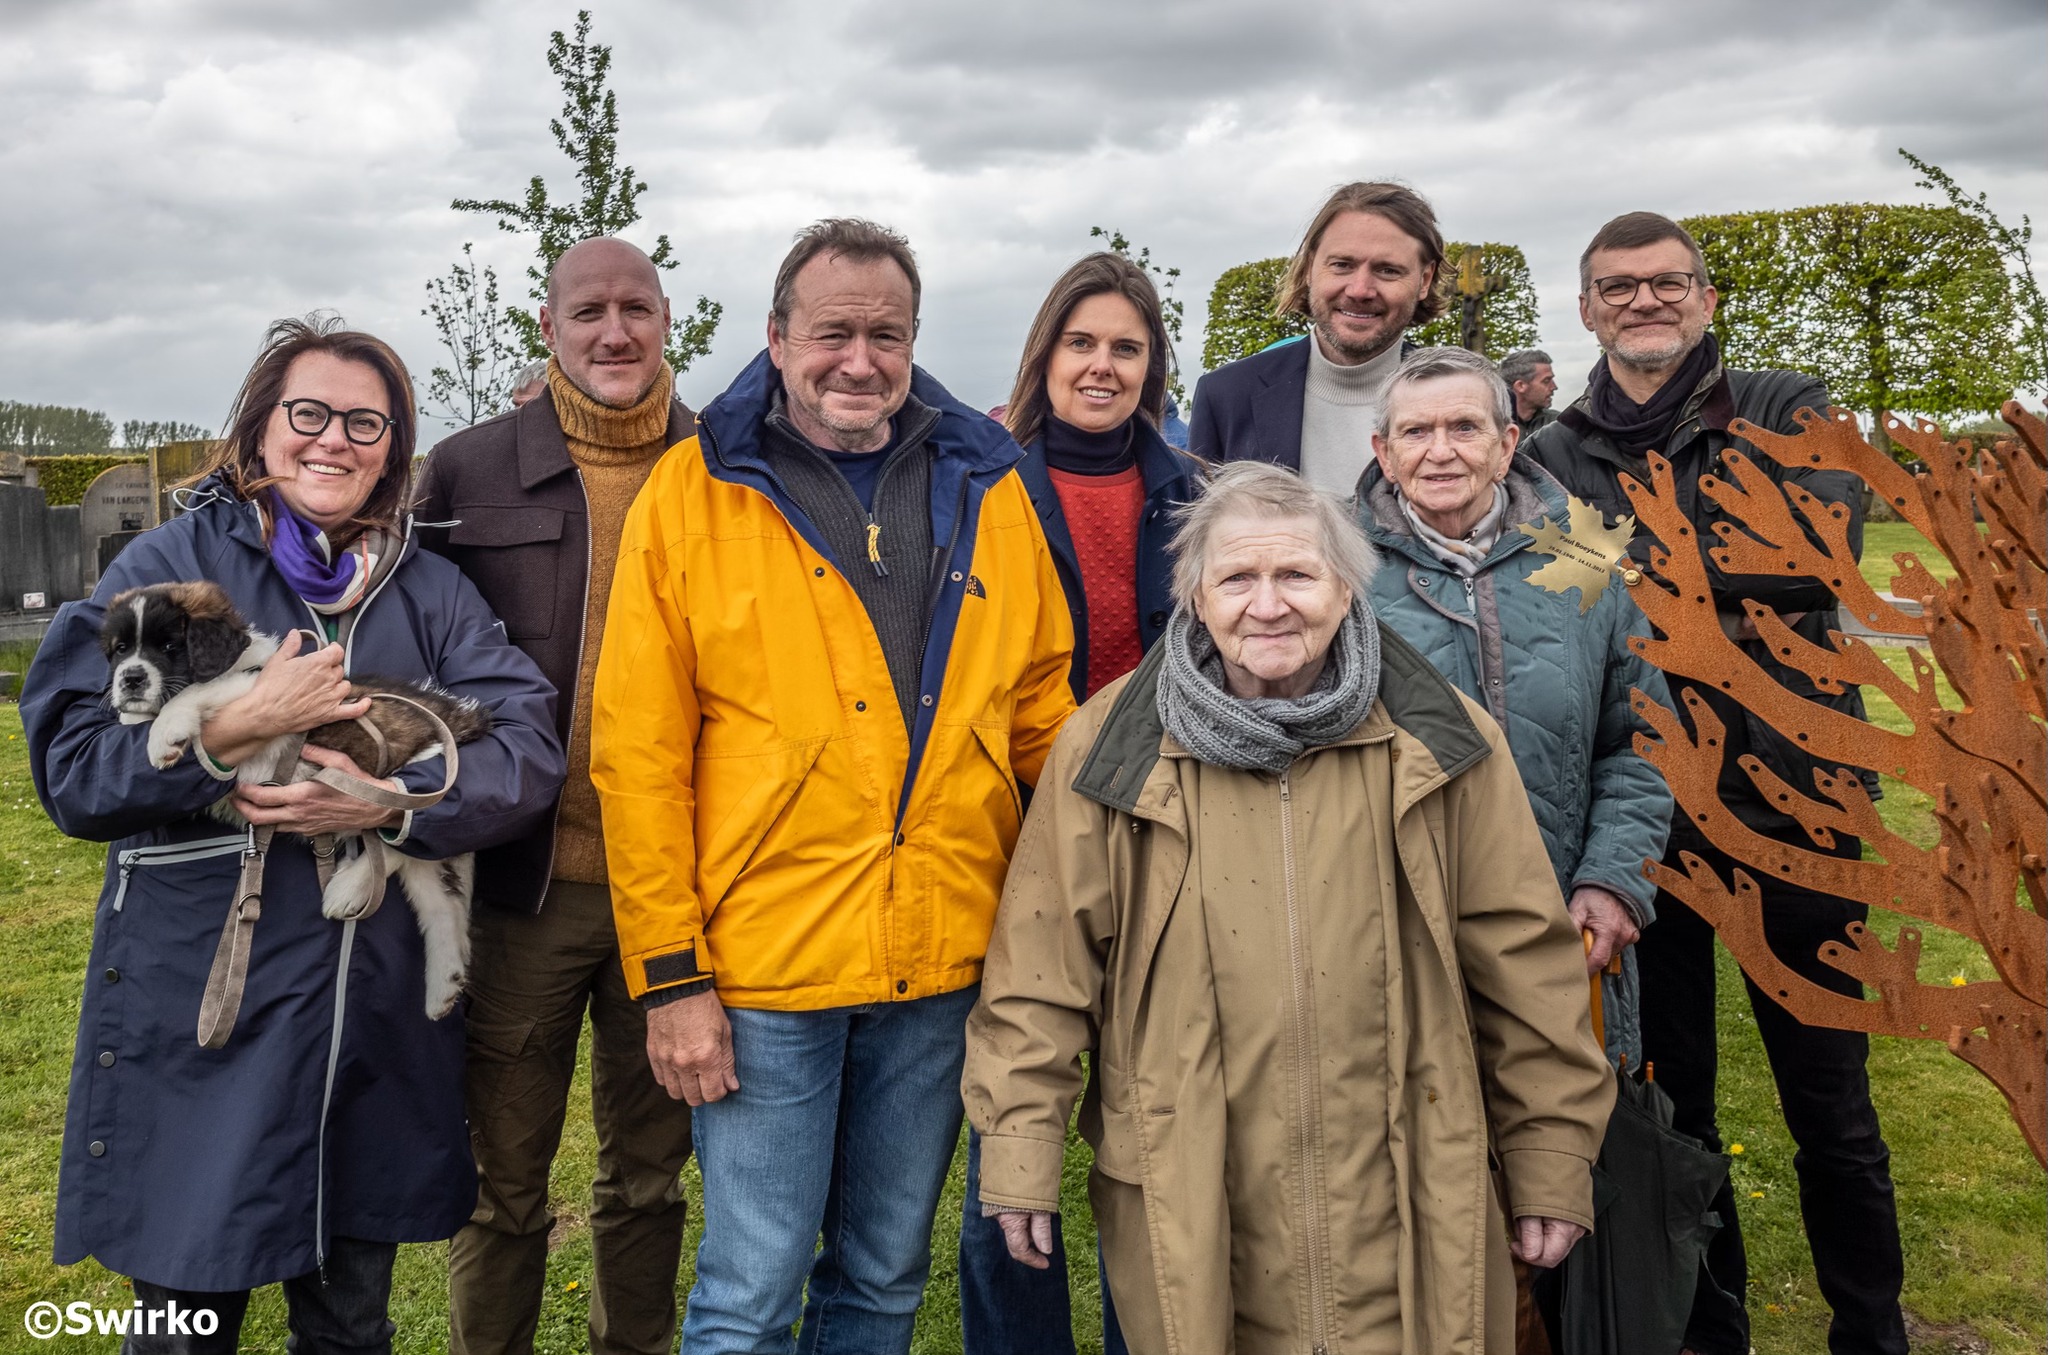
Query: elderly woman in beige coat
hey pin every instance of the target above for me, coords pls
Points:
(1283, 886)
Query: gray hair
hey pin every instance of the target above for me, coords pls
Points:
(532, 374)
(1521, 364)
(1263, 490)
(843, 237)
(1431, 364)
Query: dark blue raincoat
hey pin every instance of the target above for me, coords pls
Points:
(335, 1110)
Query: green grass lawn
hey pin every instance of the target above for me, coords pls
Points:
(1970, 1195)
(1883, 540)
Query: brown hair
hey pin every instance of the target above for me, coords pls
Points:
(1633, 230)
(843, 237)
(1099, 274)
(239, 453)
(1401, 205)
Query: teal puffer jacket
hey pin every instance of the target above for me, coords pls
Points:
(1556, 681)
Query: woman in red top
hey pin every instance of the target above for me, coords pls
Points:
(1087, 408)
(1088, 404)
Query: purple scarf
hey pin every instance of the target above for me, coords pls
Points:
(302, 554)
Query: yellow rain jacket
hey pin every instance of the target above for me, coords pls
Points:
(768, 819)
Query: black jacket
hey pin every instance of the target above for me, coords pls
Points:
(1171, 478)
(503, 500)
(1589, 466)
(1250, 410)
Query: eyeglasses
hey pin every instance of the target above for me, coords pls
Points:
(1621, 290)
(311, 417)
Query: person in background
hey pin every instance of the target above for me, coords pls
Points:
(329, 1128)
(1282, 886)
(1660, 385)
(530, 505)
(1532, 380)
(837, 642)
(1087, 408)
(1365, 273)
(531, 380)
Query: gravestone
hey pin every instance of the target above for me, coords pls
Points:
(25, 547)
(121, 499)
(111, 545)
(71, 572)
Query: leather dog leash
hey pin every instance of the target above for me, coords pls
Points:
(221, 1002)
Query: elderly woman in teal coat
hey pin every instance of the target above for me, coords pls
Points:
(1461, 524)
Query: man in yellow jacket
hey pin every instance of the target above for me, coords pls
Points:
(836, 644)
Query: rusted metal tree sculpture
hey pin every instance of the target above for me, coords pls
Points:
(1982, 762)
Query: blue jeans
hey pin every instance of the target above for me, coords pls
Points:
(1006, 1307)
(844, 1124)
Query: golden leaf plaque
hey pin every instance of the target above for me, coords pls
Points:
(1583, 553)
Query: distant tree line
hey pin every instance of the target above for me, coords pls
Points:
(65, 430)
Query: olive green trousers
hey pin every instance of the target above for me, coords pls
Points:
(532, 978)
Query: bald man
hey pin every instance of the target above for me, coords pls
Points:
(531, 506)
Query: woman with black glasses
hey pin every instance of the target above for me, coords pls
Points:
(328, 1127)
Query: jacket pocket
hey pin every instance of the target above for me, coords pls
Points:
(160, 933)
(996, 743)
(514, 557)
(749, 793)
(137, 859)
(1118, 1156)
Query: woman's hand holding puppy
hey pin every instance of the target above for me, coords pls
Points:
(311, 807)
(293, 693)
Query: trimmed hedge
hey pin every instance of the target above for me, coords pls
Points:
(64, 479)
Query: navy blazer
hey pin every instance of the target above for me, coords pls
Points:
(1250, 409)
(1170, 478)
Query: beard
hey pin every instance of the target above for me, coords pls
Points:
(1355, 351)
(1649, 355)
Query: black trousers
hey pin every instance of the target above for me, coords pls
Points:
(1844, 1168)
(346, 1311)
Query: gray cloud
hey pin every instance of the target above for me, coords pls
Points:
(178, 176)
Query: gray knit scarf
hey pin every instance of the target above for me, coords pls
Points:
(1266, 733)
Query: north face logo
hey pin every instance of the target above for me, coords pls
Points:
(974, 588)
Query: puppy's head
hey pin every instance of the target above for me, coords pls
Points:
(163, 638)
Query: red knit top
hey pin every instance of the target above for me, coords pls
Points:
(1103, 513)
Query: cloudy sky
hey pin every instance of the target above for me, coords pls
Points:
(174, 175)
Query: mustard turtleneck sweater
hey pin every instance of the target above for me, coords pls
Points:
(614, 450)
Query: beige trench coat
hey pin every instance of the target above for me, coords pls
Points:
(1495, 1090)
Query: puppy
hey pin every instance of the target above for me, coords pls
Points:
(178, 652)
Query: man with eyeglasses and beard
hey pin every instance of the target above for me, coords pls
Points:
(1660, 385)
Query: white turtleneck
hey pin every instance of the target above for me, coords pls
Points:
(1338, 410)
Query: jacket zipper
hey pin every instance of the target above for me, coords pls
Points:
(582, 634)
(171, 854)
(348, 943)
(1304, 1065)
